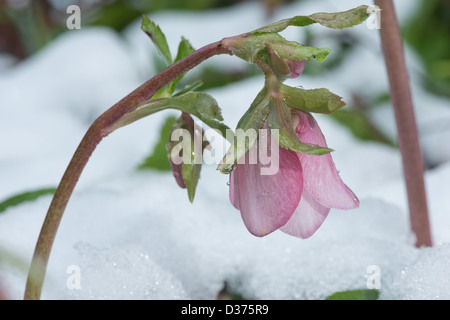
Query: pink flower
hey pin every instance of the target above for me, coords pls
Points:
(296, 199)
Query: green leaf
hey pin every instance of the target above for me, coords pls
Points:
(253, 119)
(248, 47)
(190, 87)
(199, 104)
(24, 197)
(313, 100)
(341, 20)
(187, 172)
(256, 115)
(158, 38)
(184, 49)
(191, 176)
(336, 20)
(361, 294)
(292, 50)
(298, 21)
(158, 158)
(164, 92)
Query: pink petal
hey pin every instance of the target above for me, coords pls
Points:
(307, 218)
(234, 190)
(267, 202)
(176, 170)
(320, 176)
(296, 67)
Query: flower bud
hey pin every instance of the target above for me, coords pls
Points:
(185, 156)
(296, 67)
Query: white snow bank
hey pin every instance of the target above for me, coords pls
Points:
(131, 240)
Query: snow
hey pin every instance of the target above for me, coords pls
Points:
(135, 235)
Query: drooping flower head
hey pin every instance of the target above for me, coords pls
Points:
(296, 199)
(298, 196)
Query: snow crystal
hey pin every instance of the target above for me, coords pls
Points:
(121, 273)
(425, 278)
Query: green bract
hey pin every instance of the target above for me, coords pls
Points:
(158, 38)
(313, 100)
(247, 47)
(278, 65)
(187, 173)
(157, 159)
(252, 120)
(280, 119)
(199, 104)
(337, 20)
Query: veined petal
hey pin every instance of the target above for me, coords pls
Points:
(307, 218)
(267, 201)
(320, 176)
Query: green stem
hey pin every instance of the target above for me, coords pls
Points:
(98, 130)
(408, 137)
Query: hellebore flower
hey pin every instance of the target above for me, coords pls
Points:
(298, 197)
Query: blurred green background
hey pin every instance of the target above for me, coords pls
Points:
(26, 26)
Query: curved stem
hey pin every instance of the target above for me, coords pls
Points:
(408, 137)
(98, 130)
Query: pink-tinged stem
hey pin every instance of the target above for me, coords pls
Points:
(408, 137)
(98, 130)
